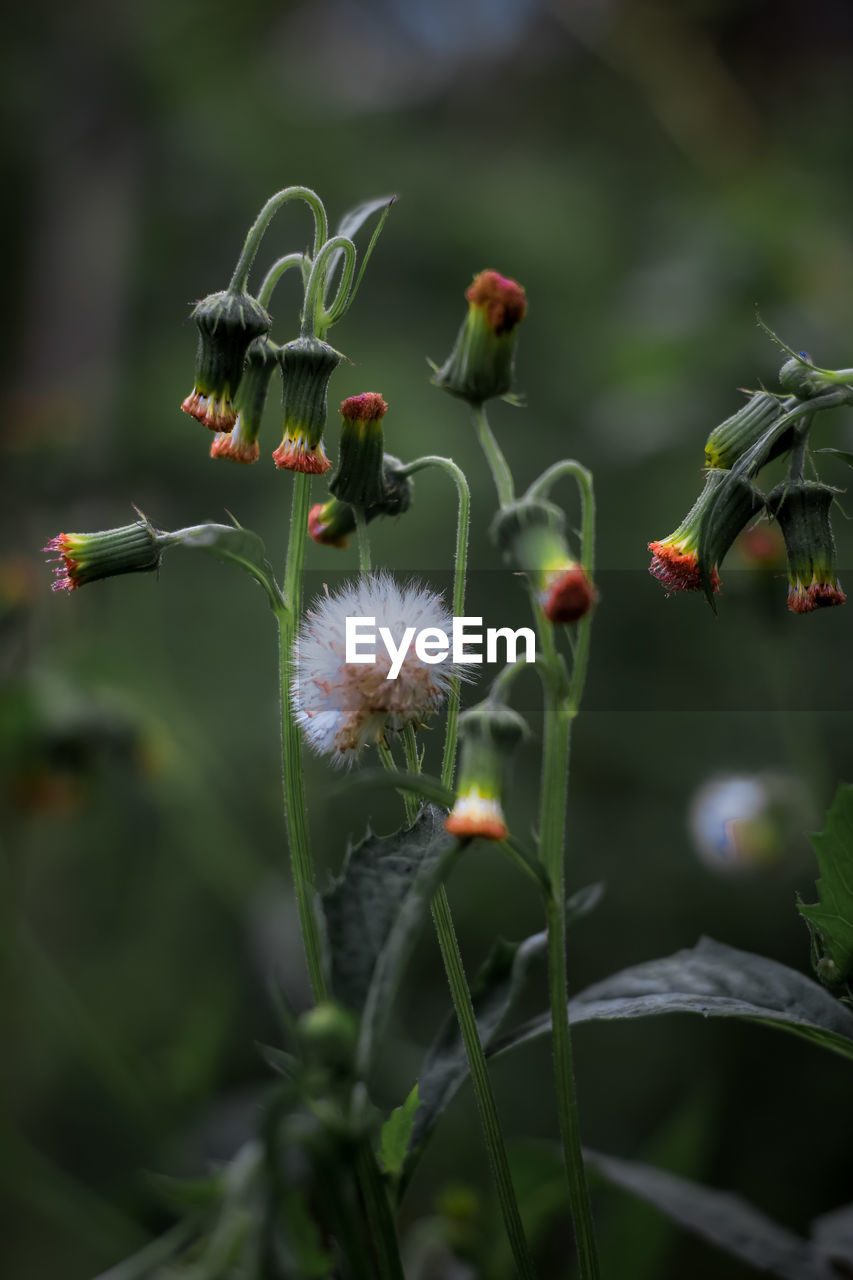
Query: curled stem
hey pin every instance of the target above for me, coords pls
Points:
(314, 320)
(240, 278)
(276, 271)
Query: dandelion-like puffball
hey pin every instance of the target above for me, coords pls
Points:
(340, 706)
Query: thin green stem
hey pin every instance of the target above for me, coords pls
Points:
(460, 575)
(313, 319)
(240, 278)
(294, 788)
(498, 464)
(378, 1213)
(562, 700)
(363, 541)
(482, 1084)
(413, 764)
(276, 271)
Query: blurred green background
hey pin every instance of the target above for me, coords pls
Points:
(650, 172)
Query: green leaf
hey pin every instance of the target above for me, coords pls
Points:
(234, 544)
(375, 910)
(842, 454)
(724, 1220)
(832, 917)
(715, 981)
(149, 1261)
(356, 217)
(445, 1066)
(395, 1135)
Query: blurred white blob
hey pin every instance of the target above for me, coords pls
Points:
(747, 822)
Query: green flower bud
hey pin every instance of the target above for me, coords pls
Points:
(227, 324)
(331, 523)
(800, 378)
(531, 536)
(489, 733)
(359, 479)
(481, 363)
(241, 444)
(731, 439)
(728, 507)
(328, 1034)
(802, 510)
(86, 557)
(307, 364)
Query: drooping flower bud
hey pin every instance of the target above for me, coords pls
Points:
(721, 511)
(241, 444)
(531, 535)
(731, 439)
(799, 377)
(489, 733)
(359, 478)
(480, 365)
(307, 364)
(802, 510)
(227, 324)
(331, 523)
(86, 557)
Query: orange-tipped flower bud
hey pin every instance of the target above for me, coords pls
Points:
(86, 557)
(723, 507)
(531, 535)
(802, 510)
(227, 324)
(307, 364)
(480, 365)
(489, 733)
(241, 444)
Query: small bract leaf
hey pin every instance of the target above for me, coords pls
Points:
(235, 544)
(396, 1131)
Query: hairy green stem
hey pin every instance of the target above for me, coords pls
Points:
(314, 319)
(276, 271)
(413, 764)
(460, 575)
(482, 1084)
(240, 278)
(363, 541)
(295, 815)
(498, 464)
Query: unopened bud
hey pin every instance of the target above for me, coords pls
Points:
(481, 363)
(359, 478)
(86, 557)
(241, 444)
(722, 509)
(227, 324)
(531, 535)
(731, 439)
(800, 378)
(331, 523)
(489, 733)
(802, 510)
(307, 364)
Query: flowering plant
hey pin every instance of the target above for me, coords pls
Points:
(316, 1191)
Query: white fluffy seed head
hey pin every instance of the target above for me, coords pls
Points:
(340, 706)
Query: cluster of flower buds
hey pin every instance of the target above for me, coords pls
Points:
(531, 535)
(767, 427)
(489, 733)
(480, 365)
(331, 523)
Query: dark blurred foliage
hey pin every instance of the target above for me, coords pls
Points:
(650, 171)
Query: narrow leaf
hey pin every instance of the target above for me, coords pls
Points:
(396, 1132)
(148, 1261)
(841, 454)
(715, 981)
(723, 1219)
(832, 916)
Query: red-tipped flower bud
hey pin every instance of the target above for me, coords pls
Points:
(359, 478)
(307, 364)
(531, 535)
(86, 557)
(241, 444)
(227, 324)
(724, 507)
(489, 733)
(802, 510)
(331, 523)
(480, 365)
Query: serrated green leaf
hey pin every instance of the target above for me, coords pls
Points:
(724, 1220)
(832, 915)
(234, 544)
(715, 981)
(396, 1132)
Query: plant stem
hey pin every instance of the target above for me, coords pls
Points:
(239, 279)
(276, 271)
(378, 1213)
(562, 701)
(460, 574)
(413, 764)
(294, 788)
(314, 321)
(498, 465)
(482, 1084)
(363, 540)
